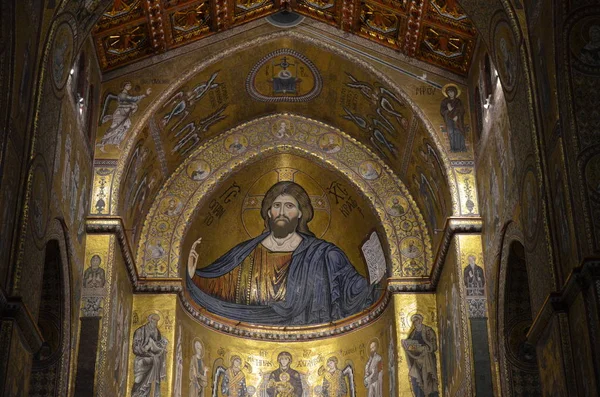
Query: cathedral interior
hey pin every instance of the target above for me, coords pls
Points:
(297, 198)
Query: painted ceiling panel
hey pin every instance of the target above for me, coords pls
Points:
(435, 31)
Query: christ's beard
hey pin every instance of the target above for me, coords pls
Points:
(282, 227)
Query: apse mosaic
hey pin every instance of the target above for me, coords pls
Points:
(159, 252)
(279, 195)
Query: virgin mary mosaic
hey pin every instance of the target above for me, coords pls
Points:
(286, 275)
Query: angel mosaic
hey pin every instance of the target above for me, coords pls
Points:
(336, 382)
(127, 105)
(233, 379)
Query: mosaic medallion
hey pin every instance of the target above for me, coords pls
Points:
(62, 54)
(284, 75)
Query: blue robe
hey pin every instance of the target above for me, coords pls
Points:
(322, 286)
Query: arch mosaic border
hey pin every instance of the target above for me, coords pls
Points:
(260, 141)
(167, 93)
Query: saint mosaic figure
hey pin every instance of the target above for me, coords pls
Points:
(420, 348)
(473, 278)
(94, 276)
(284, 381)
(198, 372)
(453, 112)
(590, 53)
(149, 365)
(374, 372)
(234, 379)
(285, 275)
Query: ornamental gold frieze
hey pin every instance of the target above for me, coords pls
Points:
(159, 252)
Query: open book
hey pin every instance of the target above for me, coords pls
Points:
(375, 258)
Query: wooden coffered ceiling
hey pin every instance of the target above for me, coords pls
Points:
(434, 31)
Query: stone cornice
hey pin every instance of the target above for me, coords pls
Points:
(579, 280)
(454, 225)
(14, 308)
(114, 225)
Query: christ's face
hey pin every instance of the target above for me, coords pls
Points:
(283, 215)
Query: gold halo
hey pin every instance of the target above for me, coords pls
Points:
(377, 342)
(444, 88)
(147, 313)
(196, 339)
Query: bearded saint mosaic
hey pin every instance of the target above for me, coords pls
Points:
(286, 275)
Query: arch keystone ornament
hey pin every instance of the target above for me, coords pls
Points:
(284, 75)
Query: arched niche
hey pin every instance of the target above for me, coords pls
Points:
(160, 253)
(50, 365)
(517, 358)
(340, 90)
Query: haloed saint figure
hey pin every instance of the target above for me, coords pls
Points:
(284, 276)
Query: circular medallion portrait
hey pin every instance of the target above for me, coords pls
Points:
(62, 54)
(506, 55)
(282, 128)
(396, 205)
(330, 143)
(530, 205)
(369, 170)
(236, 144)
(584, 42)
(198, 170)
(411, 247)
(171, 206)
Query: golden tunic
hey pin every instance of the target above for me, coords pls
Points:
(259, 280)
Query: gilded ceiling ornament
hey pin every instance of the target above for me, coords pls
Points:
(120, 8)
(192, 18)
(378, 19)
(444, 43)
(126, 40)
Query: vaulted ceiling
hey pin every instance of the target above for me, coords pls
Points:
(434, 31)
